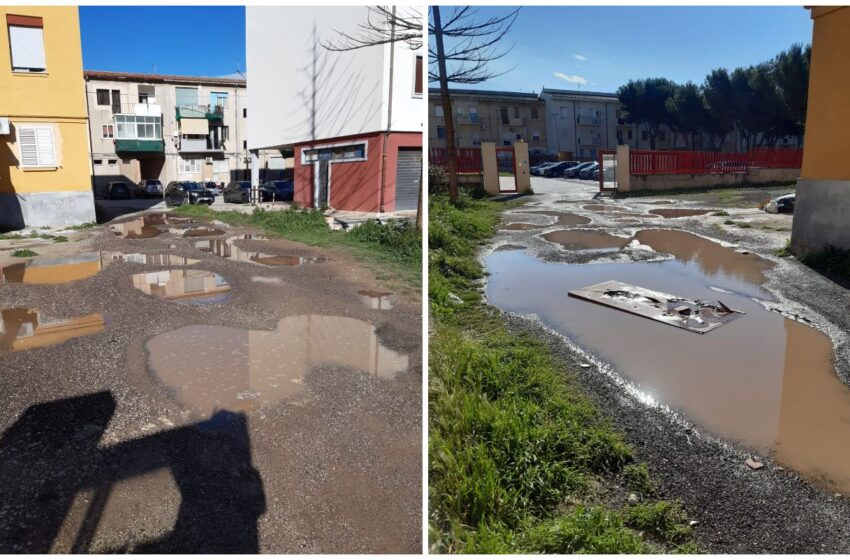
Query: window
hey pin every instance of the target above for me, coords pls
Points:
(26, 41)
(221, 166)
(103, 97)
(134, 127)
(335, 154)
(644, 135)
(629, 134)
(218, 99)
(106, 131)
(116, 101)
(245, 113)
(662, 135)
(506, 142)
(36, 146)
(438, 110)
(112, 162)
(516, 112)
(417, 79)
(186, 96)
(98, 162)
(473, 115)
(244, 144)
(459, 110)
(535, 135)
(441, 132)
(192, 165)
(534, 113)
(518, 136)
(504, 114)
(146, 94)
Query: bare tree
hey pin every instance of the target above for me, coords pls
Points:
(385, 25)
(473, 46)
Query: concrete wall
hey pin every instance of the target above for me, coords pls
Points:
(820, 215)
(669, 182)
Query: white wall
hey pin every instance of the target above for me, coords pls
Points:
(348, 87)
(408, 108)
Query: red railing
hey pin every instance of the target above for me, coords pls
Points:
(468, 159)
(660, 162)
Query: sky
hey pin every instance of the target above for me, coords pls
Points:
(184, 40)
(602, 48)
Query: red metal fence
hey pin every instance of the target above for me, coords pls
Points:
(660, 162)
(468, 159)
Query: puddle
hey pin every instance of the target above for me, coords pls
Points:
(227, 249)
(266, 280)
(202, 231)
(521, 226)
(209, 368)
(564, 218)
(149, 225)
(24, 329)
(679, 212)
(79, 266)
(763, 380)
(376, 300)
(586, 239)
(604, 208)
(191, 286)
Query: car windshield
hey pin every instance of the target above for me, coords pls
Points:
(244, 184)
(155, 183)
(192, 187)
(281, 184)
(119, 185)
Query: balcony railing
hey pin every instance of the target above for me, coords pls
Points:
(588, 119)
(210, 112)
(200, 145)
(139, 147)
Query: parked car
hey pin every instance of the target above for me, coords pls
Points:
(240, 191)
(558, 169)
(280, 190)
(178, 193)
(573, 172)
(212, 187)
(587, 172)
(117, 189)
(782, 204)
(538, 169)
(149, 187)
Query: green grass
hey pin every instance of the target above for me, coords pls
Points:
(516, 450)
(24, 253)
(392, 250)
(720, 213)
(54, 238)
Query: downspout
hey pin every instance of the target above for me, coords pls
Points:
(91, 145)
(389, 115)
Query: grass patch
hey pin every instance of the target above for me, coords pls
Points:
(720, 213)
(24, 253)
(54, 238)
(784, 251)
(394, 249)
(832, 261)
(515, 448)
(87, 225)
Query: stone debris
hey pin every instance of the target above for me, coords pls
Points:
(753, 464)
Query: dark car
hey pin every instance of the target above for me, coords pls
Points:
(149, 187)
(573, 172)
(280, 190)
(240, 191)
(182, 192)
(212, 187)
(558, 169)
(538, 169)
(117, 189)
(587, 172)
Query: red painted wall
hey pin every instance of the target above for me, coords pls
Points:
(356, 185)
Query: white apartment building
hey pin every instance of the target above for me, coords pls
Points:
(151, 126)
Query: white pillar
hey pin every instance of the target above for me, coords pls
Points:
(255, 177)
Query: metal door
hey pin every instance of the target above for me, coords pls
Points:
(408, 178)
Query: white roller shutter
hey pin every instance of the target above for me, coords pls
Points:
(27, 48)
(36, 145)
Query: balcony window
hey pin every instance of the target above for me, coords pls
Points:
(504, 114)
(147, 94)
(218, 99)
(441, 132)
(133, 127)
(438, 110)
(102, 97)
(534, 113)
(26, 43)
(106, 131)
(186, 96)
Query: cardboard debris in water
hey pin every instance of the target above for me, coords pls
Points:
(693, 315)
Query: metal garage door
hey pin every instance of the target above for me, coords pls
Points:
(407, 178)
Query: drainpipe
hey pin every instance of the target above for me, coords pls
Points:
(91, 146)
(389, 114)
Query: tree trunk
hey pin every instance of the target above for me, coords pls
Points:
(451, 150)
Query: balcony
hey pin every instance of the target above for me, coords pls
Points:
(515, 121)
(590, 141)
(200, 146)
(209, 112)
(138, 147)
(588, 120)
(467, 119)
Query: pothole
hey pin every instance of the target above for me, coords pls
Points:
(679, 212)
(25, 328)
(564, 218)
(189, 286)
(209, 368)
(585, 239)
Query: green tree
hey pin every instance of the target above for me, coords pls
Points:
(645, 103)
(791, 71)
(720, 106)
(688, 111)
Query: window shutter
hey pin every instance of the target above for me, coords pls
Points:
(36, 144)
(44, 137)
(29, 150)
(27, 48)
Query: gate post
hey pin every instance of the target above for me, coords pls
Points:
(622, 171)
(490, 168)
(522, 177)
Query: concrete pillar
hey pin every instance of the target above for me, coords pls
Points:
(522, 172)
(622, 175)
(255, 177)
(490, 167)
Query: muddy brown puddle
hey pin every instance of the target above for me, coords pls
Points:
(586, 239)
(227, 249)
(209, 368)
(763, 380)
(69, 268)
(23, 328)
(679, 212)
(375, 299)
(189, 286)
(149, 225)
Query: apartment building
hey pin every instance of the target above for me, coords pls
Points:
(353, 119)
(44, 165)
(170, 128)
(502, 117)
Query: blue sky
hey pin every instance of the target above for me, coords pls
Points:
(605, 47)
(188, 40)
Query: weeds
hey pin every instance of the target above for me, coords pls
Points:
(720, 213)
(24, 253)
(784, 251)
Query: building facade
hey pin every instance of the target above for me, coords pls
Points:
(500, 117)
(44, 164)
(823, 190)
(170, 128)
(353, 119)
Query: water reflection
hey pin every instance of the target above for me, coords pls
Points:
(24, 329)
(227, 249)
(192, 286)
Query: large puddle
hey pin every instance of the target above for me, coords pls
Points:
(148, 225)
(585, 239)
(678, 212)
(763, 380)
(564, 218)
(190, 286)
(210, 368)
(69, 268)
(227, 249)
(24, 329)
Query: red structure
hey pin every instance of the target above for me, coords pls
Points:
(659, 162)
(468, 159)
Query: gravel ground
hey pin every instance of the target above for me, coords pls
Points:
(736, 509)
(97, 455)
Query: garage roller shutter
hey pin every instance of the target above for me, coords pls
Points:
(408, 177)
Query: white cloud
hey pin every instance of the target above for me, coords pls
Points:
(580, 57)
(576, 80)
